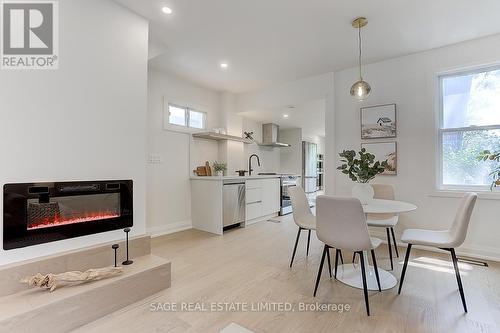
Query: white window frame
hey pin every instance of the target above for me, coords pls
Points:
(181, 128)
(441, 131)
(188, 119)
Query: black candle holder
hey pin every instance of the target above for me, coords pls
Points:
(128, 261)
(115, 247)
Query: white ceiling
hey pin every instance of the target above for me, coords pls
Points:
(270, 41)
(309, 116)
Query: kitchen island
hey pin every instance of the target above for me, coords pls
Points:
(217, 201)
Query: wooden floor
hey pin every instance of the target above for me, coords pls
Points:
(251, 265)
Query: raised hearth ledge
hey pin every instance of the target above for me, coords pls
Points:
(80, 260)
(68, 307)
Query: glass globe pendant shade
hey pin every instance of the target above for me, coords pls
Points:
(361, 90)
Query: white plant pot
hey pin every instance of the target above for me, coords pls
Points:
(219, 173)
(364, 192)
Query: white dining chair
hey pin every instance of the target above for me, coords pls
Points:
(341, 224)
(387, 221)
(303, 217)
(446, 240)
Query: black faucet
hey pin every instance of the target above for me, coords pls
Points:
(250, 163)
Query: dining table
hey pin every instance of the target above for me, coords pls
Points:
(350, 273)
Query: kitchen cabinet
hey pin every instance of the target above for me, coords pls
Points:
(262, 200)
(253, 211)
(253, 195)
(270, 196)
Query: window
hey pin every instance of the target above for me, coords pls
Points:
(176, 115)
(196, 119)
(469, 124)
(185, 117)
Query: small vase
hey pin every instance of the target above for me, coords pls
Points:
(219, 173)
(364, 192)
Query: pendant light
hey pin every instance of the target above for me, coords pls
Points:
(361, 89)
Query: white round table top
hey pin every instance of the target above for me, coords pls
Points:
(379, 206)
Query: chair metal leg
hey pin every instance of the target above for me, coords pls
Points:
(353, 257)
(295, 247)
(376, 269)
(341, 257)
(319, 270)
(394, 242)
(389, 246)
(365, 288)
(459, 280)
(337, 252)
(308, 240)
(329, 263)
(407, 256)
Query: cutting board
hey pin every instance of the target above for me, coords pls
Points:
(208, 169)
(201, 171)
(204, 170)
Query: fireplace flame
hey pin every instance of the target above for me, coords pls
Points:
(59, 220)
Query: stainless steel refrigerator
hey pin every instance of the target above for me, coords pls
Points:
(309, 167)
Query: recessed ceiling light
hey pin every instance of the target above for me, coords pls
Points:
(166, 10)
(224, 65)
(285, 116)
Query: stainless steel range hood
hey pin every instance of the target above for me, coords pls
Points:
(270, 136)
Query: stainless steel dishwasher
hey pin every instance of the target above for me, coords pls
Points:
(233, 202)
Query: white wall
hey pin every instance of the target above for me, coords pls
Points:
(289, 93)
(320, 141)
(291, 157)
(411, 83)
(269, 156)
(296, 93)
(330, 145)
(232, 152)
(84, 121)
(168, 184)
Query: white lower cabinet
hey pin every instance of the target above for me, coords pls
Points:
(262, 201)
(270, 196)
(253, 211)
(253, 195)
(262, 198)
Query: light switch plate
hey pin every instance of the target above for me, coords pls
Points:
(154, 159)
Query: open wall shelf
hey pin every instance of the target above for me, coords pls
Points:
(219, 137)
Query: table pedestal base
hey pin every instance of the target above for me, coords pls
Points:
(350, 274)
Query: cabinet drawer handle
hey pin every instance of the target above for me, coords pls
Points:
(254, 202)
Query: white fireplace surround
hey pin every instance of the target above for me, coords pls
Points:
(84, 121)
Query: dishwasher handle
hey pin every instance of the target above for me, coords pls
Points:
(233, 182)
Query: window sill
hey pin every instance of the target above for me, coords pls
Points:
(181, 129)
(481, 194)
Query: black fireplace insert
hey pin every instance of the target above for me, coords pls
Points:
(36, 213)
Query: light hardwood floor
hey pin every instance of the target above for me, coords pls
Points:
(251, 265)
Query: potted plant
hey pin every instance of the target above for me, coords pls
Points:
(219, 168)
(495, 173)
(361, 170)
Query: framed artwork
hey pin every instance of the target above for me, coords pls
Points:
(384, 151)
(378, 122)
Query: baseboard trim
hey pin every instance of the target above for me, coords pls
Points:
(260, 219)
(485, 253)
(169, 228)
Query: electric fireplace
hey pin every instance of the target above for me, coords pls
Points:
(36, 213)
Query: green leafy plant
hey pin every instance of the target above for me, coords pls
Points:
(219, 166)
(362, 169)
(487, 155)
